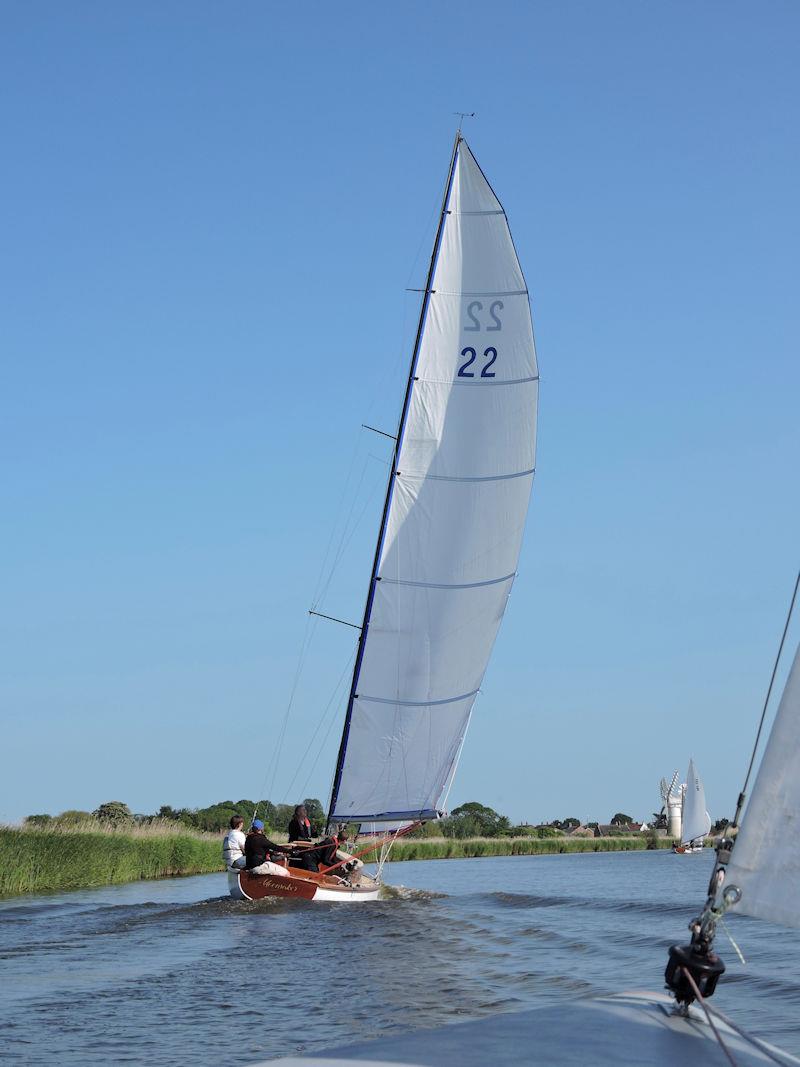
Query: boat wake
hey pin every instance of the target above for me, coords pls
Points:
(401, 892)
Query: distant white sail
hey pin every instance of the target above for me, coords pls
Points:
(695, 820)
(456, 513)
(765, 863)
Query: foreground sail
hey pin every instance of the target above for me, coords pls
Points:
(765, 863)
(695, 821)
(453, 520)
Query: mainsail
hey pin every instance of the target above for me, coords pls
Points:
(695, 820)
(453, 520)
(765, 863)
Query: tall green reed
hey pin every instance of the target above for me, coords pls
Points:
(36, 860)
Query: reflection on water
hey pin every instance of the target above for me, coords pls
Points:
(174, 972)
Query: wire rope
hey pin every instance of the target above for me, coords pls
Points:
(743, 793)
(318, 727)
(704, 1006)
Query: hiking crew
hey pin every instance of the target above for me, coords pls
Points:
(334, 852)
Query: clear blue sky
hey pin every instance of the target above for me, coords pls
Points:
(210, 216)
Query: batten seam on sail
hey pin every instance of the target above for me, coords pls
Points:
(483, 383)
(464, 478)
(417, 703)
(468, 292)
(449, 585)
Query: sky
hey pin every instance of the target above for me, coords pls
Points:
(210, 218)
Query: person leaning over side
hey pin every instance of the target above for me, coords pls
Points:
(353, 865)
(259, 852)
(334, 854)
(233, 844)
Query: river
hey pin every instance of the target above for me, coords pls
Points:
(174, 972)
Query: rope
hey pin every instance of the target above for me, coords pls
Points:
(704, 1006)
(373, 847)
(729, 936)
(754, 1041)
(740, 802)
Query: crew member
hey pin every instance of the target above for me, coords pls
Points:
(300, 827)
(260, 852)
(334, 853)
(233, 844)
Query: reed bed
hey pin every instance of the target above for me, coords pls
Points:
(67, 858)
(445, 848)
(86, 855)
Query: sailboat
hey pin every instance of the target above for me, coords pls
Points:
(695, 820)
(449, 539)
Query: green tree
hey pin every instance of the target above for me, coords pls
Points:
(571, 823)
(316, 813)
(115, 812)
(38, 820)
(477, 820)
(283, 816)
(621, 819)
(72, 817)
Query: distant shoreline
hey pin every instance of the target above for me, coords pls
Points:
(445, 848)
(40, 861)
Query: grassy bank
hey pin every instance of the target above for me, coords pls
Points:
(445, 848)
(36, 860)
(81, 858)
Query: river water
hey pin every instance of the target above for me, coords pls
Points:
(174, 972)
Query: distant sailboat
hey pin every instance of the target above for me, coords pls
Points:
(450, 533)
(695, 820)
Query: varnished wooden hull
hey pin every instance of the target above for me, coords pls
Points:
(302, 885)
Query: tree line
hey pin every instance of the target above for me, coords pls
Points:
(468, 820)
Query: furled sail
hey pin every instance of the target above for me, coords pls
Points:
(695, 820)
(455, 512)
(765, 863)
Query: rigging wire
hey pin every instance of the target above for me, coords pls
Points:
(347, 535)
(704, 1006)
(743, 793)
(311, 625)
(324, 741)
(345, 495)
(318, 727)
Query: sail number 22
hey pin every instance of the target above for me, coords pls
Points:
(469, 354)
(489, 353)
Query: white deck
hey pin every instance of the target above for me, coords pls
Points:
(629, 1029)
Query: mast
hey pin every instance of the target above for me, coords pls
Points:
(392, 475)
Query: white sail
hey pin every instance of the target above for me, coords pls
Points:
(765, 864)
(456, 513)
(695, 820)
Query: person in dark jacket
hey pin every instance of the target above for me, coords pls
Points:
(303, 857)
(259, 852)
(300, 827)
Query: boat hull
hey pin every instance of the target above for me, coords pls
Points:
(629, 1028)
(245, 886)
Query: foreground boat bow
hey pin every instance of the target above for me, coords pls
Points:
(629, 1028)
